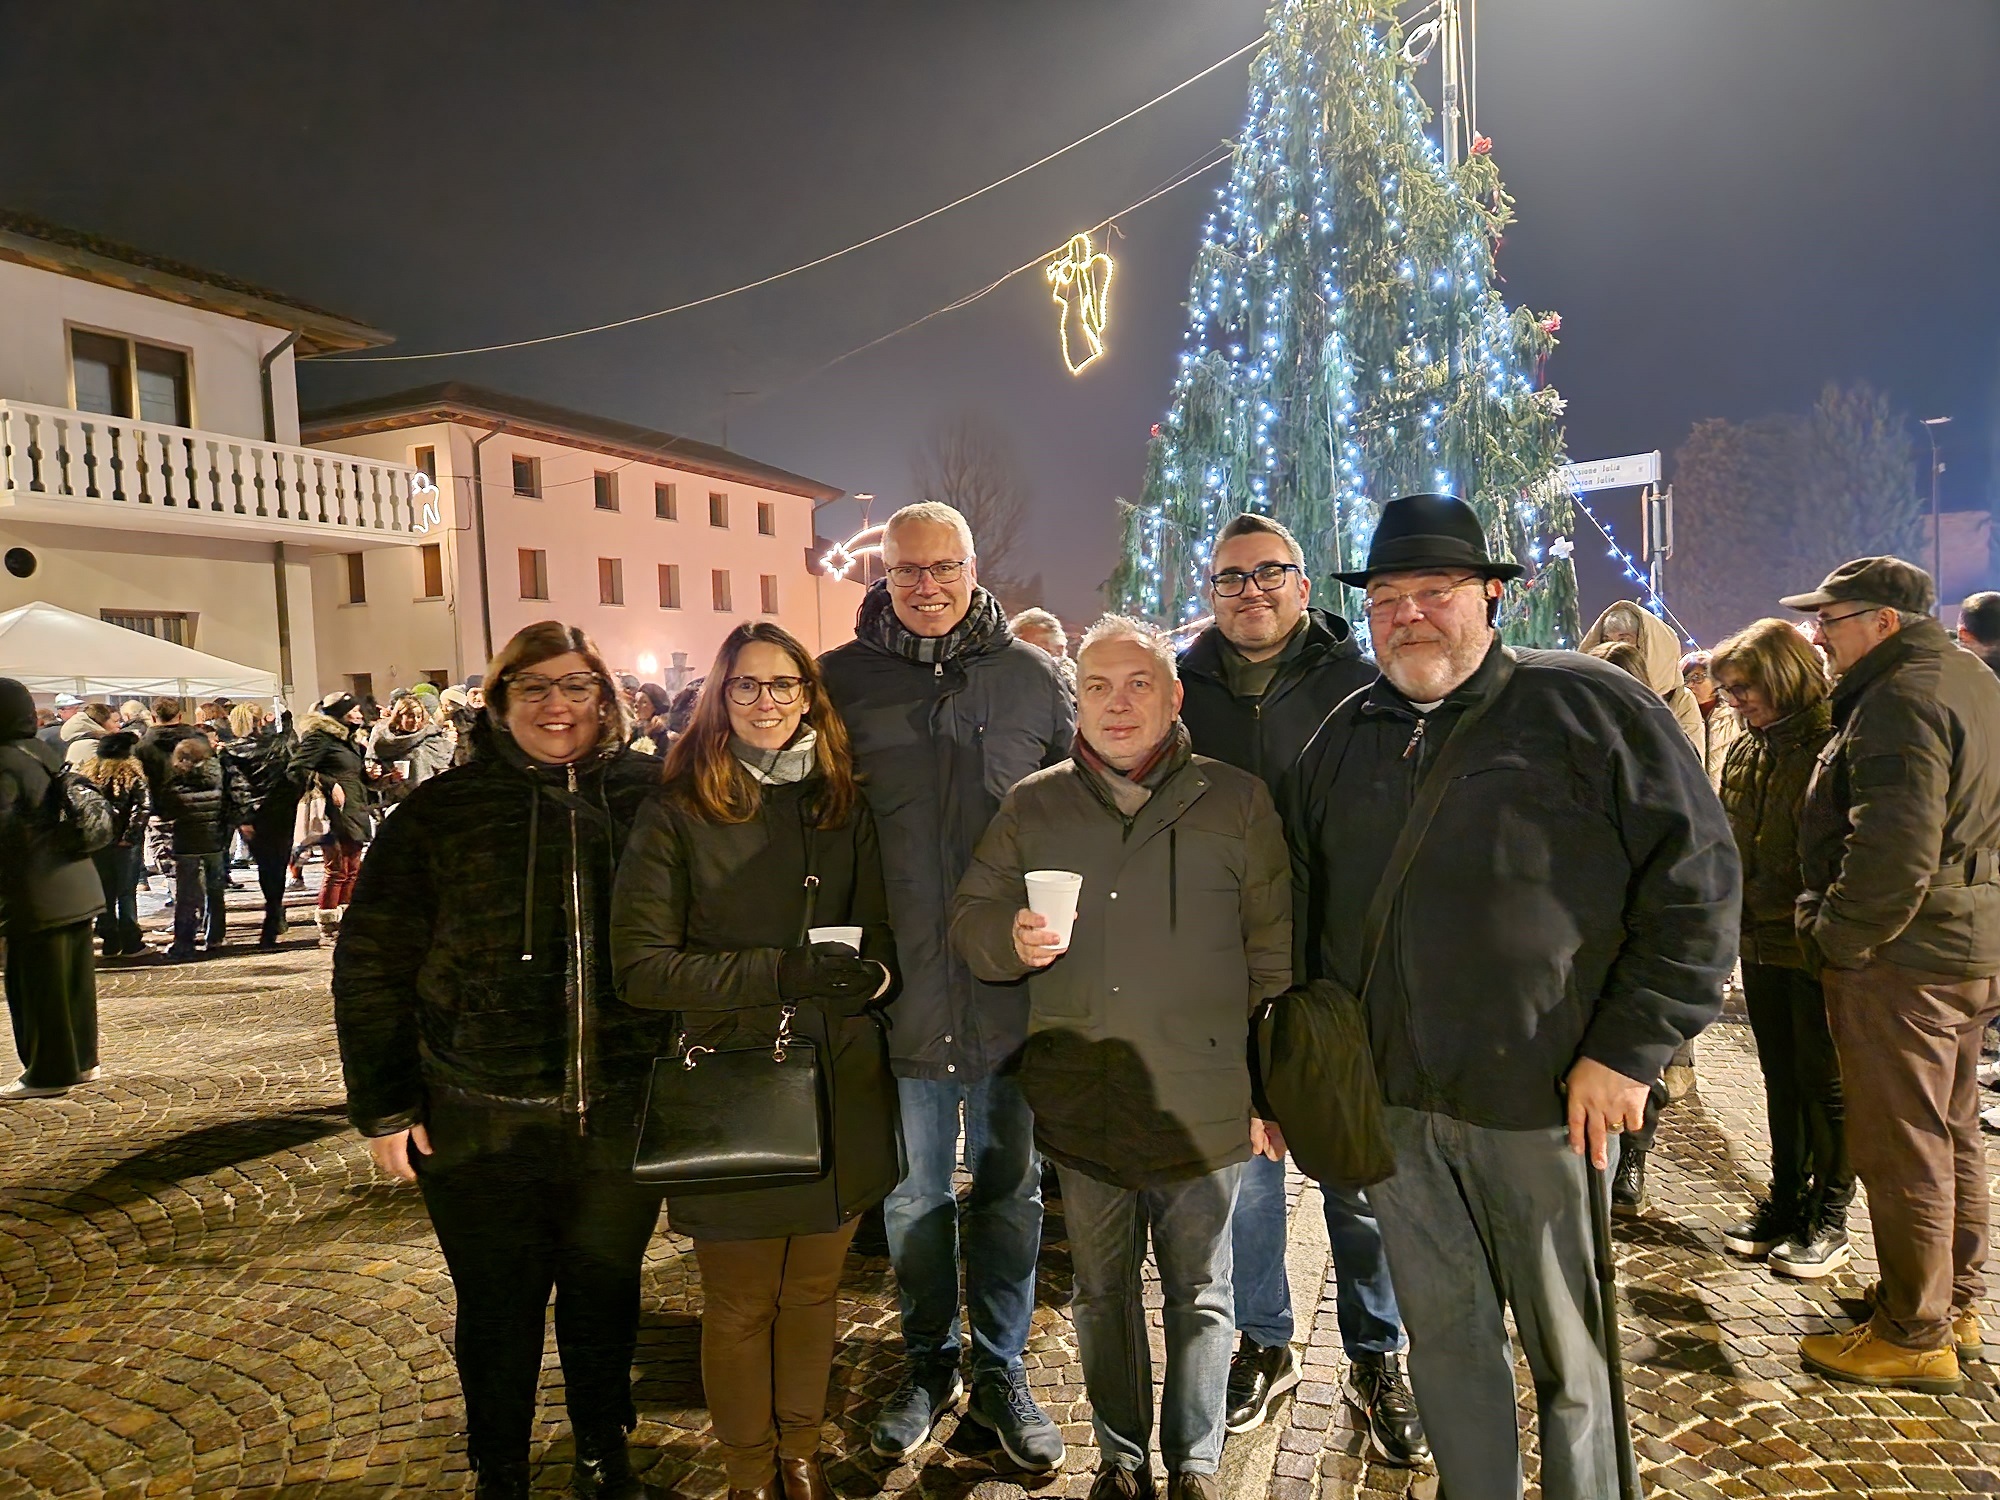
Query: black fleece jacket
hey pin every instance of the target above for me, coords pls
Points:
(1577, 895)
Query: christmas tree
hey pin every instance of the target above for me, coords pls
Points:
(1346, 342)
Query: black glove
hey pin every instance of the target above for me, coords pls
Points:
(830, 974)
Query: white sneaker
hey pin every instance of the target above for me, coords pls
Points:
(19, 1089)
(90, 1075)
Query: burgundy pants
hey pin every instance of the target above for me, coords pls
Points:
(1909, 1050)
(343, 863)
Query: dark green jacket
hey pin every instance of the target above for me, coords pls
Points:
(1763, 788)
(1137, 1063)
(1900, 837)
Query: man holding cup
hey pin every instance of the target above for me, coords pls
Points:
(1158, 917)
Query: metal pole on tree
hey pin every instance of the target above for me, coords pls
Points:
(1448, 47)
(1931, 426)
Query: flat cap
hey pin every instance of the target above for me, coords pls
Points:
(1886, 581)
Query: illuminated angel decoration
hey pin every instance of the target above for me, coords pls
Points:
(424, 498)
(1080, 281)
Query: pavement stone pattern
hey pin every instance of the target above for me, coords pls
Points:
(205, 1289)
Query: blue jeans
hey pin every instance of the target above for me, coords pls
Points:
(1478, 1222)
(1002, 1229)
(201, 883)
(1107, 1245)
(1364, 1299)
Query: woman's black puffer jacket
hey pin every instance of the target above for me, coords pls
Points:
(701, 918)
(474, 958)
(206, 804)
(332, 751)
(265, 761)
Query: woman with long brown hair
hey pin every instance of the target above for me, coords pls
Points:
(489, 1060)
(759, 837)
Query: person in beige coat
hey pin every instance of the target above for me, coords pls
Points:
(1626, 621)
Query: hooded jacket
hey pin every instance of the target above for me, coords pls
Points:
(205, 803)
(78, 739)
(475, 957)
(1138, 1064)
(156, 752)
(1763, 790)
(1662, 650)
(265, 763)
(1900, 838)
(40, 886)
(938, 743)
(1265, 735)
(331, 750)
(428, 749)
(1576, 896)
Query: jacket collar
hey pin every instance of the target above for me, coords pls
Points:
(1490, 676)
(1794, 727)
(1327, 636)
(1924, 638)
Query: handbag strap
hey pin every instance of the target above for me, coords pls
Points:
(1430, 794)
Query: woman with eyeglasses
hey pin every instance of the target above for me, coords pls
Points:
(760, 839)
(1775, 681)
(489, 1059)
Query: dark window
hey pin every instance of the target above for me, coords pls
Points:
(163, 386)
(718, 585)
(670, 585)
(528, 477)
(361, 685)
(767, 586)
(438, 677)
(432, 555)
(604, 487)
(718, 509)
(103, 371)
(666, 502)
(610, 580)
(534, 573)
(357, 578)
(164, 625)
(426, 459)
(767, 518)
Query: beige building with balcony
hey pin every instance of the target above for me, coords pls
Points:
(150, 468)
(656, 545)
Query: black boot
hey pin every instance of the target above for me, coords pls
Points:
(603, 1470)
(1628, 1183)
(502, 1482)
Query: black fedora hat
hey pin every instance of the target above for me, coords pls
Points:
(1428, 531)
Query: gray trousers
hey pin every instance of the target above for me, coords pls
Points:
(1477, 1221)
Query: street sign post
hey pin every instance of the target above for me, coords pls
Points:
(1612, 473)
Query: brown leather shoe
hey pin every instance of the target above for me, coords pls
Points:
(768, 1490)
(1966, 1334)
(803, 1479)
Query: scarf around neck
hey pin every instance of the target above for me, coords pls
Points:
(1128, 791)
(793, 762)
(984, 626)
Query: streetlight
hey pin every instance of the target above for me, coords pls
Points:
(1931, 425)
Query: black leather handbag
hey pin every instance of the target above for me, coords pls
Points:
(722, 1120)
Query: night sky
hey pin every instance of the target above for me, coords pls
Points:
(1729, 202)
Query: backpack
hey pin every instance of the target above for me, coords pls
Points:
(83, 820)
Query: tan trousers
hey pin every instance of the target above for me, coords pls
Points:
(769, 1313)
(1909, 1048)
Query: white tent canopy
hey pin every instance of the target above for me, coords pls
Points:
(51, 650)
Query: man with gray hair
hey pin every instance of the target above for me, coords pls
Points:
(1045, 633)
(948, 710)
(1900, 846)
(1137, 1062)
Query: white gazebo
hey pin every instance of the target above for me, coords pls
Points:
(51, 650)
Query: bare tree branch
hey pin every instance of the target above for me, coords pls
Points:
(970, 463)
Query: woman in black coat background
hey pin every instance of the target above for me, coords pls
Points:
(760, 835)
(489, 1059)
(330, 749)
(262, 750)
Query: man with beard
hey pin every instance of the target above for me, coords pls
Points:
(947, 711)
(1567, 921)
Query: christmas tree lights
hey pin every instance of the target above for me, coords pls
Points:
(1346, 342)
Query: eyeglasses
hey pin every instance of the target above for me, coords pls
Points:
(905, 575)
(745, 691)
(532, 687)
(1735, 692)
(1383, 607)
(1268, 576)
(1822, 621)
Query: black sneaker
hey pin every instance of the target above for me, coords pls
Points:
(1378, 1388)
(1001, 1404)
(1114, 1483)
(904, 1424)
(1770, 1224)
(1257, 1377)
(1628, 1183)
(1817, 1250)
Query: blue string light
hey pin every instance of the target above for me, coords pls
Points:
(1625, 560)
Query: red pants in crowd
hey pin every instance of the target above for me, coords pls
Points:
(343, 863)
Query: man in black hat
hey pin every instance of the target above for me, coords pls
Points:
(1900, 847)
(1568, 921)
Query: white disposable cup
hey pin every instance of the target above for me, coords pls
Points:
(848, 935)
(1052, 897)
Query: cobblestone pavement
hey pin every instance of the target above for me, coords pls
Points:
(205, 1289)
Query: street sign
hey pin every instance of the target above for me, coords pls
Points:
(1613, 473)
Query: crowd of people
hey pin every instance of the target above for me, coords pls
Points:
(1508, 888)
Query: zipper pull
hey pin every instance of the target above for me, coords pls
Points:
(938, 670)
(1416, 740)
(571, 768)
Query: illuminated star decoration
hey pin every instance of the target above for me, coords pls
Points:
(1562, 548)
(1081, 275)
(840, 558)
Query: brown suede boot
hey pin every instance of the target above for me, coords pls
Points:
(1860, 1358)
